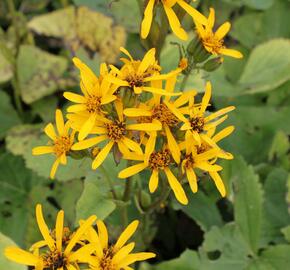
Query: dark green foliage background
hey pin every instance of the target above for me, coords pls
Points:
(250, 229)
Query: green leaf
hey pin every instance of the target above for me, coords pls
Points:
(4, 262)
(276, 215)
(188, 260)
(94, 199)
(45, 108)
(6, 67)
(277, 256)
(286, 233)
(224, 248)
(259, 4)
(20, 189)
(118, 10)
(280, 145)
(268, 66)
(202, 210)
(38, 72)
(8, 116)
(18, 139)
(248, 200)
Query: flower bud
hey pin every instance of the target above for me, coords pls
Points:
(196, 49)
(213, 64)
(145, 199)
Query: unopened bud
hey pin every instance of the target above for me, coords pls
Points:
(196, 49)
(78, 154)
(145, 199)
(213, 64)
(183, 63)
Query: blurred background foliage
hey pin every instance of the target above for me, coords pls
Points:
(250, 229)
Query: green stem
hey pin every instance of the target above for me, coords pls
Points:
(15, 84)
(104, 171)
(163, 197)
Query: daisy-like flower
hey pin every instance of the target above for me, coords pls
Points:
(116, 256)
(61, 142)
(115, 132)
(162, 111)
(172, 17)
(156, 161)
(96, 92)
(138, 75)
(214, 42)
(199, 123)
(59, 253)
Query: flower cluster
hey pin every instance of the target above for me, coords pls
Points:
(136, 112)
(62, 248)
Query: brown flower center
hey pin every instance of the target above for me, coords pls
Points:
(93, 104)
(62, 145)
(160, 159)
(197, 124)
(116, 130)
(213, 42)
(106, 262)
(164, 115)
(54, 260)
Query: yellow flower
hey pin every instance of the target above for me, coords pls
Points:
(172, 17)
(203, 157)
(156, 161)
(163, 112)
(61, 142)
(137, 75)
(59, 254)
(199, 123)
(116, 256)
(214, 42)
(96, 92)
(115, 131)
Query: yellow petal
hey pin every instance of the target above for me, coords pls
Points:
(102, 155)
(119, 109)
(82, 253)
(116, 81)
(176, 187)
(208, 167)
(191, 177)
(135, 147)
(43, 227)
(103, 234)
(153, 182)
(132, 170)
(21, 256)
(232, 53)
(148, 60)
(87, 127)
(211, 18)
(108, 99)
(40, 150)
(172, 145)
(223, 133)
(222, 30)
(145, 126)
(59, 229)
(147, 20)
(219, 113)
(131, 258)
(123, 50)
(88, 142)
(122, 253)
(126, 234)
(54, 168)
(196, 15)
(159, 91)
(175, 111)
(175, 24)
(49, 131)
(79, 233)
(218, 182)
(74, 97)
(206, 97)
(136, 112)
(77, 108)
(59, 122)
